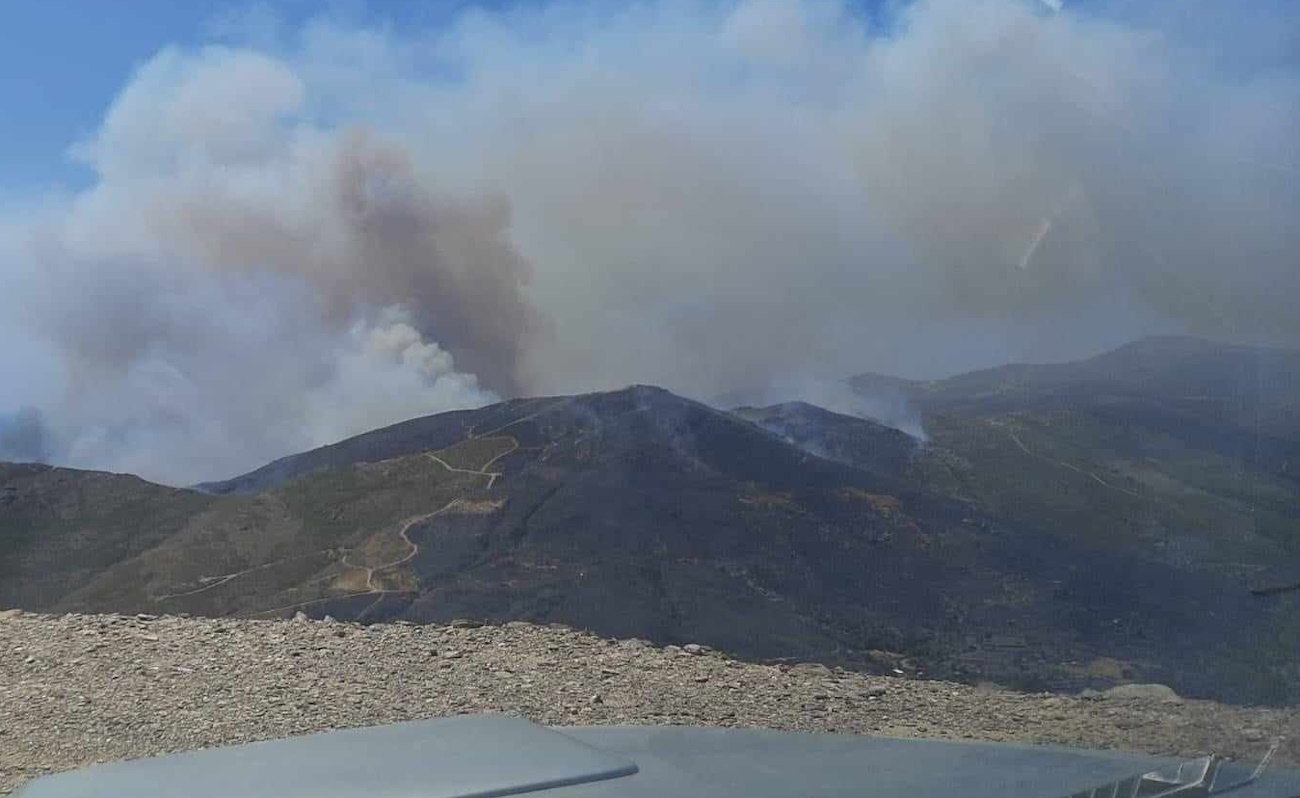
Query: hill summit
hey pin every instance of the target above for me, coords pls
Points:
(1066, 541)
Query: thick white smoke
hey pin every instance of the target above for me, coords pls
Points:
(288, 242)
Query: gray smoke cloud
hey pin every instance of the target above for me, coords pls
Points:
(291, 238)
(23, 436)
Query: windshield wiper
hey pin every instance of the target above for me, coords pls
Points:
(1194, 778)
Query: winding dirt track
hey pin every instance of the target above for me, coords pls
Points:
(372, 587)
(482, 470)
(1070, 466)
(210, 582)
(414, 548)
(472, 434)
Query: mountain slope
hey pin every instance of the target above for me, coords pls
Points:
(619, 511)
(60, 527)
(1170, 445)
(1236, 401)
(858, 442)
(1004, 549)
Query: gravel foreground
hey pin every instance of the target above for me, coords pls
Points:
(79, 689)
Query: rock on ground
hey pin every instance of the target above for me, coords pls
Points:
(1148, 692)
(78, 689)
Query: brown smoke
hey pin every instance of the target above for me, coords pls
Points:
(376, 235)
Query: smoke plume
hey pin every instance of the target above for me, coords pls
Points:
(290, 239)
(22, 437)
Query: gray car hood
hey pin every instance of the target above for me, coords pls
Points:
(499, 755)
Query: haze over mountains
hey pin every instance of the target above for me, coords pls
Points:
(290, 232)
(1062, 525)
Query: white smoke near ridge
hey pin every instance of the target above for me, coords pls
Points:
(890, 408)
(711, 196)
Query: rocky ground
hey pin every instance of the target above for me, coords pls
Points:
(79, 689)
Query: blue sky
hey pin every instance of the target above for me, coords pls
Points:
(63, 61)
(61, 64)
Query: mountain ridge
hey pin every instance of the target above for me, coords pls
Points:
(1037, 546)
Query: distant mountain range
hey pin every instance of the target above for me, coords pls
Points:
(1063, 525)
